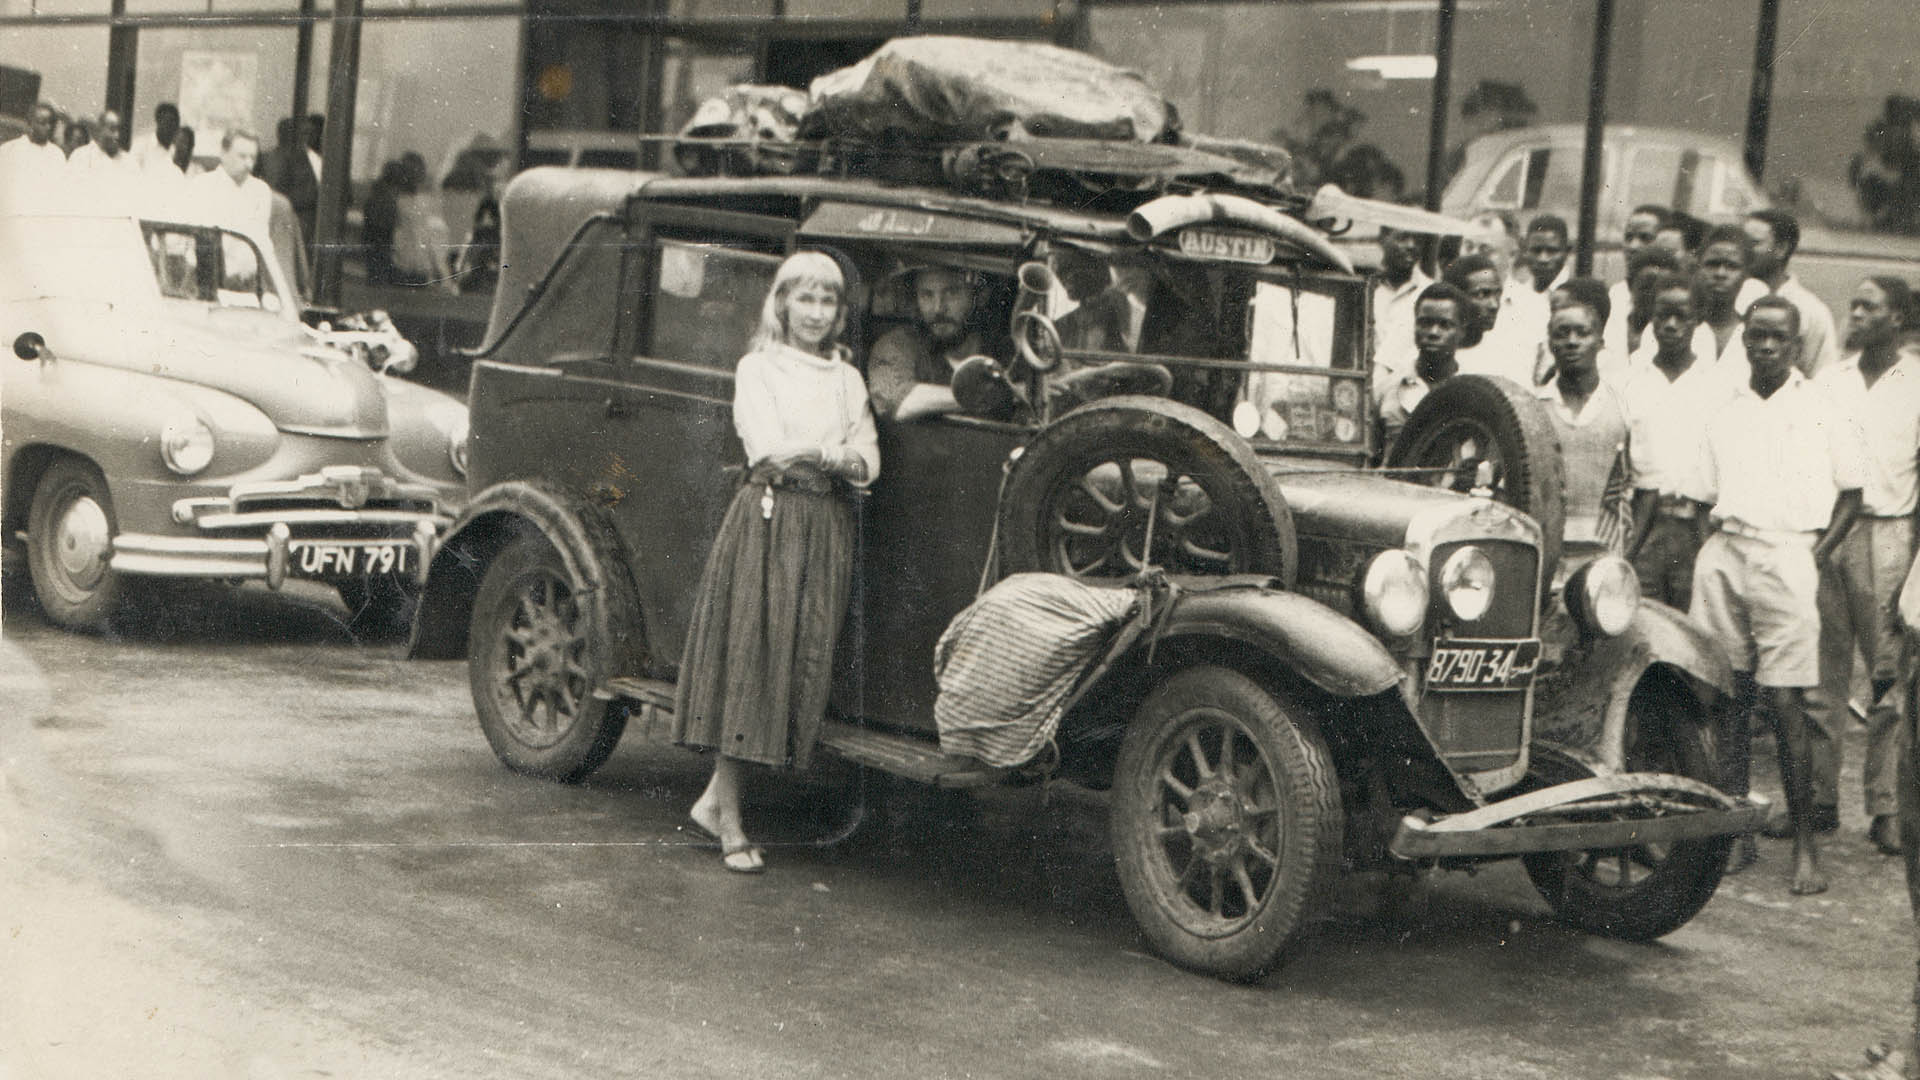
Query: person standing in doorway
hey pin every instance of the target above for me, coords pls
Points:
(758, 664)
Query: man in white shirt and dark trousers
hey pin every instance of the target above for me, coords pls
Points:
(1879, 387)
(1397, 287)
(1667, 399)
(1785, 470)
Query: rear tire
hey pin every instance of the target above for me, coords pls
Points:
(535, 663)
(1226, 822)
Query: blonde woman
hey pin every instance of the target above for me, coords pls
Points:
(759, 655)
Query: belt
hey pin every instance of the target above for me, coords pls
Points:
(808, 480)
(1736, 527)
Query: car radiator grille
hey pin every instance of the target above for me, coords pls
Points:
(1478, 730)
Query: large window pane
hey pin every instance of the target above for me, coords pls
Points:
(71, 60)
(1845, 133)
(430, 87)
(848, 9)
(220, 79)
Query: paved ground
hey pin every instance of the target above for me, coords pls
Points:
(234, 842)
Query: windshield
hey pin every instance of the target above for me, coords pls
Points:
(1273, 351)
(99, 260)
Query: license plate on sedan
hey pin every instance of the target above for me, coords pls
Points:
(1472, 664)
(348, 558)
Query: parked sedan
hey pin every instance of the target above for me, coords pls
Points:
(1536, 170)
(169, 415)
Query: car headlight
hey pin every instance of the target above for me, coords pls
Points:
(1466, 580)
(1394, 592)
(186, 443)
(457, 433)
(1603, 595)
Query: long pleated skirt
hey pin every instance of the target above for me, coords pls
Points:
(758, 664)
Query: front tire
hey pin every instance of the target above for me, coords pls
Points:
(535, 662)
(1639, 893)
(1226, 822)
(70, 530)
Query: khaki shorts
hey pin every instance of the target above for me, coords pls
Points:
(1760, 599)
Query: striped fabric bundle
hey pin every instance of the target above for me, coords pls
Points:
(1008, 664)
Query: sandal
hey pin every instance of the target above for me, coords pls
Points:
(745, 859)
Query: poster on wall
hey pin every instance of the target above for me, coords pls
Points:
(216, 92)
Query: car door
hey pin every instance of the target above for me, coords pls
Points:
(693, 282)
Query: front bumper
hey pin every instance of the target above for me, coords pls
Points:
(1623, 810)
(249, 531)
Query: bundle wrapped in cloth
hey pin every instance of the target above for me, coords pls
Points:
(1009, 664)
(957, 89)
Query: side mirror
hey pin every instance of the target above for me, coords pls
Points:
(982, 389)
(31, 346)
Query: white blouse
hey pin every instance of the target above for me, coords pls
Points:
(784, 397)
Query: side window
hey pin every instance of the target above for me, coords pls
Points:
(176, 264)
(244, 280)
(1652, 173)
(1504, 193)
(1538, 163)
(1728, 193)
(706, 302)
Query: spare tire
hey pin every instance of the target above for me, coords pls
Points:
(1098, 486)
(1469, 419)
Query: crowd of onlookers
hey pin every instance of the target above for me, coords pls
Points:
(271, 194)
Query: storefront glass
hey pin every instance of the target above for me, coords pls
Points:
(221, 78)
(71, 60)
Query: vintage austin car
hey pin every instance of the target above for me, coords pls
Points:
(1361, 667)
(167, 413)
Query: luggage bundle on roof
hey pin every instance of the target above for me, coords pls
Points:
(986, 117)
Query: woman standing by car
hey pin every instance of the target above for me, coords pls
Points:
(759, 656)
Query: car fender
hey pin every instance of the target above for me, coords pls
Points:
(1308, 638)
(1581, 705)
(579, 532)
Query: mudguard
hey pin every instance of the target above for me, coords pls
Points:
(587, 546)
(1580, 705)
(1321, 645)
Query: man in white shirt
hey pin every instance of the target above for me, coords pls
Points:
(1403, 377)
(230, 195)
(1776, 235)
(105, 152)
(1590, 419)
(1785, 470)
(35, 151)
(1397, 287)
(154, 150)
(1494, 347)
(1879, 387)
(1667, 398)
(1544, 258)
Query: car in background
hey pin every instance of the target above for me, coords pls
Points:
(1536, 170)
(166, 414)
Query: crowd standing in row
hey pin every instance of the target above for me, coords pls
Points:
(270, 194)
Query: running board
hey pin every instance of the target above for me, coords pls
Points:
(908, 756)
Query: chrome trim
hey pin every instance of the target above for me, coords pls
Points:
(255, 558)
(349, 487)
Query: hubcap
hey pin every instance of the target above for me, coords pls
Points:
(1218, 845)
(82, 541)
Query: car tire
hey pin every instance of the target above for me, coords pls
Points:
(1647, 892)
(1454, 427)
(378, 604)
(1224, 878)
(1078, 499)
(70, 530)
(535, 664)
